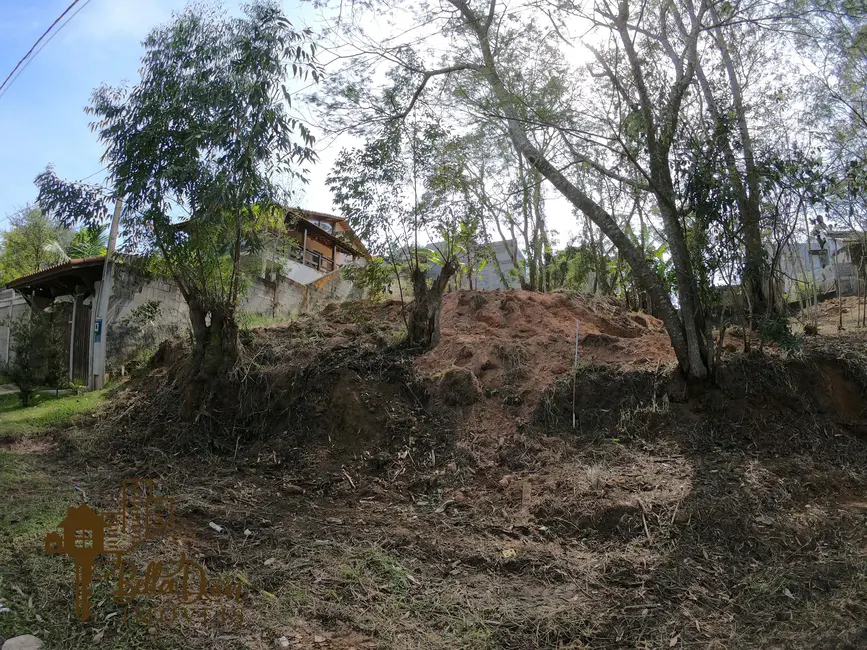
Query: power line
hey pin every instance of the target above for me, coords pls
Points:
(8, 85)
(94, 173)
(30, 51)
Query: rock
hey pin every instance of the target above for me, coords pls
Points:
(290, 488)
(23, 642)
(283, 642)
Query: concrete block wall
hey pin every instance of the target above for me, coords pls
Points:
(130, 291)
(285, 297)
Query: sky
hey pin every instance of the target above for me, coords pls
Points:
(42, 118)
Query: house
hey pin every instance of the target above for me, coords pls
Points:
(325, 243)
(502, 253)
(836, 256)
(298, 277)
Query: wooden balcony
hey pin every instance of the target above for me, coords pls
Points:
(315, 260)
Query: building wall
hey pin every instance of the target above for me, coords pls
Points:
(281, 296)
(130, 292)
(488, 279)
(798, 265)
(12, 305)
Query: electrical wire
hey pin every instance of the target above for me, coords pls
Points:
(28, 58)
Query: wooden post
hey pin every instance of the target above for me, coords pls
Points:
(304, 246)
(575, 370)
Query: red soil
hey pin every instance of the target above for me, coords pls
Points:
(527, 340)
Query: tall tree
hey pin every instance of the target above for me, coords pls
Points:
(26, 245)
(399, 193)
(196, 149)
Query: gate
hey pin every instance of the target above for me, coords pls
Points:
(81, 344)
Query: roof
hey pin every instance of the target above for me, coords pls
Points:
(313, 214)
(61, 278)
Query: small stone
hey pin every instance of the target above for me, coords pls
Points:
(291, 488)
(152, 631)
(23, 642)
(458, 497)
(335, 521)
(318, 639)
(283, 642)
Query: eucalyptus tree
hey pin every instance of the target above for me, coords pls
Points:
(197, 149)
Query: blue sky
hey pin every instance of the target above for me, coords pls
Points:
(41, 115)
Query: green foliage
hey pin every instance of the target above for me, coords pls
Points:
(570, 268)
(773, 327)
(206, 129)
(25, 244)
(375, 277)
(89, 241)
(37, 354)
(397, 189)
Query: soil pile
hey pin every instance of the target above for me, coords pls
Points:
(526, 340)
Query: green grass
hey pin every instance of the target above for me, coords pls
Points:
(36, 489)
(249, 321)
(49, 412)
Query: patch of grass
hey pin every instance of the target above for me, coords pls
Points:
(249, 321)
(49, 412)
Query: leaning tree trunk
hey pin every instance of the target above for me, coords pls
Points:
(423, 324)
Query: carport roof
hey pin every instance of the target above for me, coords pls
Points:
(61, 279)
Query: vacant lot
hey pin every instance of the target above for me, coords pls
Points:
(374, 508)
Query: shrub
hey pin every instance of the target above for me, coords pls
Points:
(37, 355)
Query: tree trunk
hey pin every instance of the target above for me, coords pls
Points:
(683, 335)
(423, 325)
(216, 340)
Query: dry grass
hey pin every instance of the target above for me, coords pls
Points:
(733, 520)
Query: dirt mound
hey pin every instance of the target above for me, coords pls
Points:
(518, 342)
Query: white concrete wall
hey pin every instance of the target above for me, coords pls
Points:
(300, 273)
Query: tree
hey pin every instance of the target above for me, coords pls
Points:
(394, 192)
(646, 90)
(24, 245)
(197, 149)
(89, 241)
(36, 354)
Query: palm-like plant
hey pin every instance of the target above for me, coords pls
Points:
(90, 241)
